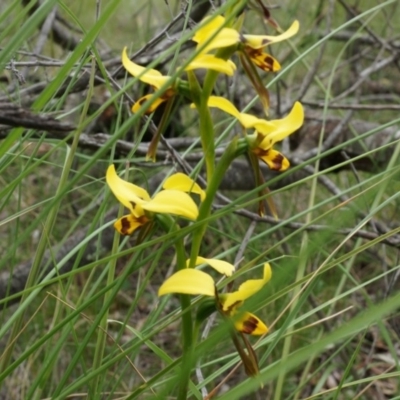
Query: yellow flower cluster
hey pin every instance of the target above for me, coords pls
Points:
(212, 38)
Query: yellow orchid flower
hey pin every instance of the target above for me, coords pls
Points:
(230, 302)
(220, 36)
(267, 132)
(172, 200)
(196, 282)
(155, 79)
(151, 77)
(180, 181)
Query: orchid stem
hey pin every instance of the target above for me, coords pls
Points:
(188, 339)
(231, 152)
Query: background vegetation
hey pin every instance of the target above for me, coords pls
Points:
(65, 116)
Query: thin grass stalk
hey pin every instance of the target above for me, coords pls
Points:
(48, 226)
(102, 332)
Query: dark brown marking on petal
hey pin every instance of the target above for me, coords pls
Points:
(133, 204)
(143, 220)
(260, 152)
(250, 325)
(125, 226)
(268, 62)
(229, 311)
(265, 41)
(277, 162)
(253, 53)
(141, 101)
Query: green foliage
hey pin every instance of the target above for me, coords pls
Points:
(86, 320)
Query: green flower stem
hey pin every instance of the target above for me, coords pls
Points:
(188, 339)
(206, 124)
(234, 149)
(207, 137)
(200, 98)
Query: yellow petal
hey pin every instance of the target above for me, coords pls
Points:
(259, 41)
(208, 61)
(247, 120)
(274, 159)
(173, 202)
(188, 281)
(248, 323)
(224, 38)
(263, 60)
(127, 193)
(246, 289)
(284, 127)
(224, 105)
(129, 223)
(250, 121)
(150, 76)
(210, 24)
(223, 267)
(152, 107)
(182, 182)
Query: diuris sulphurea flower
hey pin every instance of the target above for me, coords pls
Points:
(267, 133)
(151, 77)
(172, 200)
(197, 282)
(253, 45)
(155, 79)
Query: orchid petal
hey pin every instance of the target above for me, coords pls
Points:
(173, 202)
(263, 60)
(273, 158)
(223, 267)
(152, 107)
(127, 193)
(247, 120)
(182, 182)
(249, 323)
(150, 76)
(284, 127)
(210, 24)
(250, 121)
(129, 223)
(224, 105)
(260, 41)
(188, 281)
(208, 61)
(230, 301)
(224, 38)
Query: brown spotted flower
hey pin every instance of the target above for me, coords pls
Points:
(267, 133)
(155, 79)
(197, 282)
(218, 36)
(172, 200)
